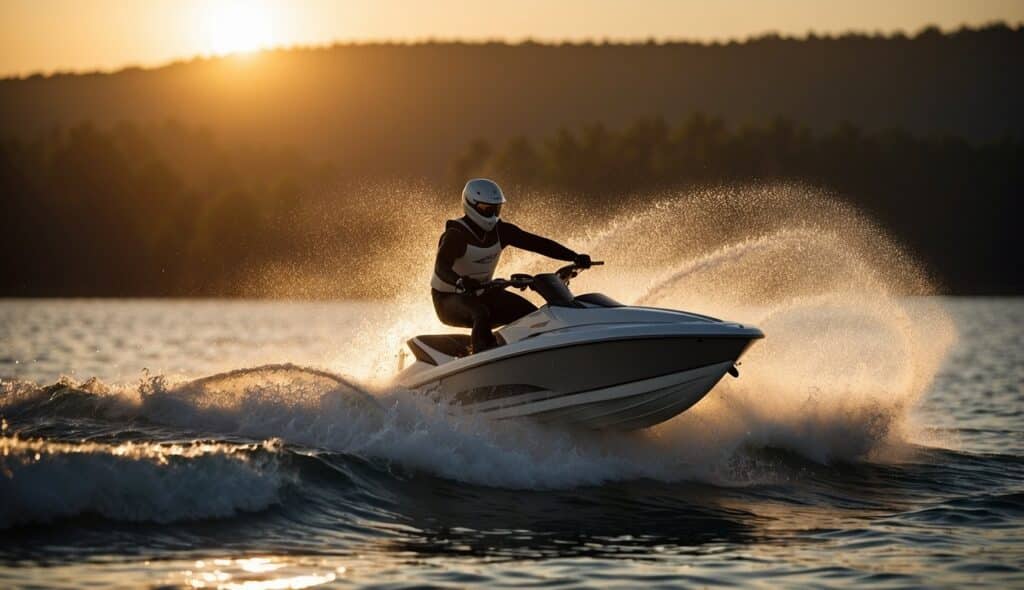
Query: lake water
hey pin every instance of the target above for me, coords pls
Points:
(141, 448)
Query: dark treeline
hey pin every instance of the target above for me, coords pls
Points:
(162, 210)
(168, 210)
(954, 204)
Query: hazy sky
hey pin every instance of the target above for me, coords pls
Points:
(48, 35)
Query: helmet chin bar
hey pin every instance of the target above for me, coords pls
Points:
(485, 223)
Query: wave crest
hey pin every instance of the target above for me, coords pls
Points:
(42, 481)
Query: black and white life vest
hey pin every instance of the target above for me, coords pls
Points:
(479, 260)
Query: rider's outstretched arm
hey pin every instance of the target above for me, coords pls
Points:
(513, 236)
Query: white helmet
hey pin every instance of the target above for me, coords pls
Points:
(482, 200)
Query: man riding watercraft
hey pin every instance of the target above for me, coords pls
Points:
(467, 256)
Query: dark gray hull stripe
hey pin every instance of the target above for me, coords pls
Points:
(551, 395)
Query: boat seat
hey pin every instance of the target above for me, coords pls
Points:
(453, 345)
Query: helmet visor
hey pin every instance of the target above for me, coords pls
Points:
(488, 209)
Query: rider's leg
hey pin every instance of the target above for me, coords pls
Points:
(466, 311)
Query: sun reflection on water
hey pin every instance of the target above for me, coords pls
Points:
(260, 573)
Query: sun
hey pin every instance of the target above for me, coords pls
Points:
(237, 26)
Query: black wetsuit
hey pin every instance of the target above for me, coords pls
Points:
(493, 308)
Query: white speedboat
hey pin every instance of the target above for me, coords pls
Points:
(585, 361)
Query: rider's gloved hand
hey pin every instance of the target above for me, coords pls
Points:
(467, 285)
(582, 260)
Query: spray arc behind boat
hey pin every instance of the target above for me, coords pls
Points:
(582, 361)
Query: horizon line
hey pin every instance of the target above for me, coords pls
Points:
(892, 34)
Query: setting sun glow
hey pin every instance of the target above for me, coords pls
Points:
(112, 34)
(234, 26)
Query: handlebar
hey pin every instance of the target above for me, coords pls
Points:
(523, 281)
(570, 271)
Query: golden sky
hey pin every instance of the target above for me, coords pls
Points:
(50, 35)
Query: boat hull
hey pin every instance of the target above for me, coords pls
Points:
(629, 406)
(610, 384)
